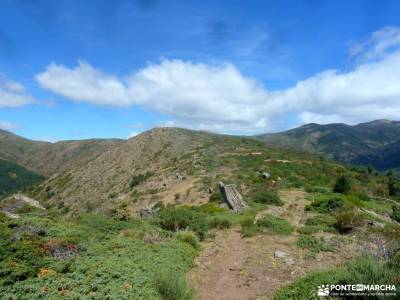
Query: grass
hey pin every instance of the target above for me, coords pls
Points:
(173, 286)
(268, 224)
(275, 225)
(365, 269)
(313, 245)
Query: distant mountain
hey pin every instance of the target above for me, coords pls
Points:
(14, 178)
(376, 143)
(49, 158)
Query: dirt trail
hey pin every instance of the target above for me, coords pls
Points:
(234, 268)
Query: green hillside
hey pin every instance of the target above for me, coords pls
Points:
(14, 178)
(376, 143)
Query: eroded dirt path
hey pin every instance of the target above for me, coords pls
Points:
(236, 268)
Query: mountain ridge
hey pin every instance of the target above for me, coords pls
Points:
(376, 142)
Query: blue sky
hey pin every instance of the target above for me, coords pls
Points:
(81, 69)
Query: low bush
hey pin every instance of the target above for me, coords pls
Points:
(313, 244)
(220, 222)
(266, 197)
(347, 220)
(248, 228)
(396, 212)
(326, 205)
(217, 197)
(342, 185)
(366, 269)
(275, 225)
(138, 179)
(173, 286)
(309, 229)
(188, 237)
(183, 218)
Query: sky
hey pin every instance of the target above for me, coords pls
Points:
(101, 69)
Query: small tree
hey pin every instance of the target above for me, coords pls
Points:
(343, 185)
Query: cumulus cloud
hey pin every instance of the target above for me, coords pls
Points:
(13, 94)
(220, 98)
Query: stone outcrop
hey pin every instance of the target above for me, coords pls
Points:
(232, 197)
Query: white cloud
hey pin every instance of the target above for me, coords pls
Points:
(13, 94)
(5, 125)
(220, 98)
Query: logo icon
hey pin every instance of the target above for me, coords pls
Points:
(323, 290)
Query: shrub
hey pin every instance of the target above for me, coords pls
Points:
(138, 179)
(188, 237)
(217, 197)
(309, 229)
(266, 197)
(211, 208)
(396, 212)
(275, 224)
(220, 222)
(347, 220)
(248, 228)
(183, 218)
(173, 286)
(343, 185)
(321, 220)
(312, 243)
(326, 205)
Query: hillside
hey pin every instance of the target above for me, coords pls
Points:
(14, 178)
(49, 158)
(376, 143)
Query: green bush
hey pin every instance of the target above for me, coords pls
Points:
(266, 197)
(326, 205)
(275, 225)
(343, 185)
(217, 197)
(173, 286)
(220, 222)
(188, 237)
(347, 220)
(396, 212)
(366, 269)
(313, 244)
(138, 179)
(248, 228)
(183, 218)
(306, 287)
(309, 229)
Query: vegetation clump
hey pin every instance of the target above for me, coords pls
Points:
(183, 218)
(267, 197)
(343, 185)
(140, 178)
(173, 286)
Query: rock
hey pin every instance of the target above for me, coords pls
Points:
(289, 261)
(280, 254)
(265, 175)
(376, 224)
(232, 197)
(148, 212)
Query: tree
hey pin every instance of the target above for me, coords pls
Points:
(343, 185)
